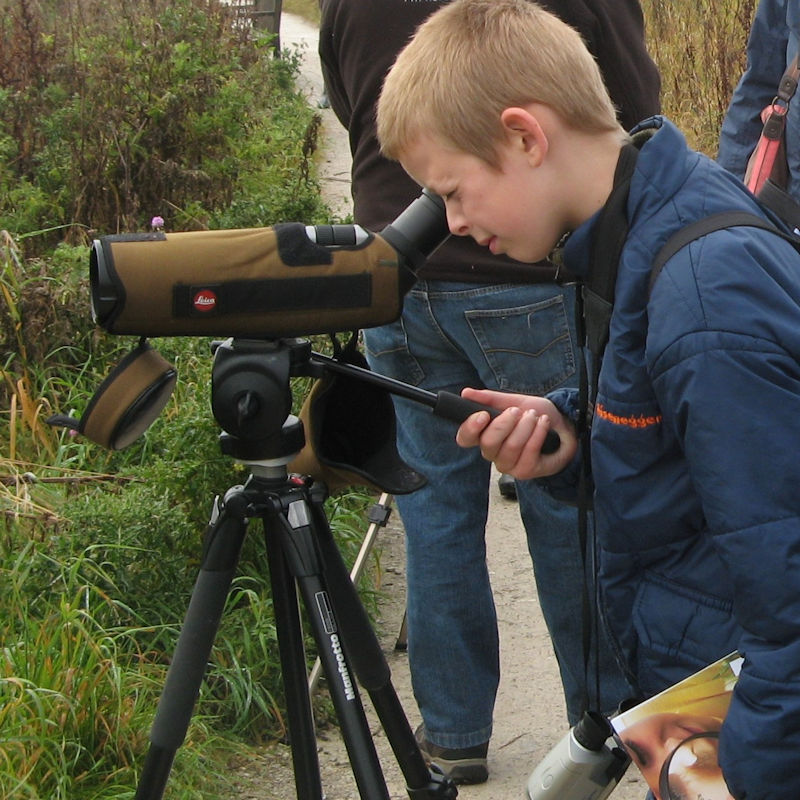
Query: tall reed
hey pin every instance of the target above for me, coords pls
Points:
(699, 47)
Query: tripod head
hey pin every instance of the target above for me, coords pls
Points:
(349, 417)
(251, 398)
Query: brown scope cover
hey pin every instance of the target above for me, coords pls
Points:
(255, 282)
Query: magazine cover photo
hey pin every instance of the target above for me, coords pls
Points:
(674, 737)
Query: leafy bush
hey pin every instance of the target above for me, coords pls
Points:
(112, 112)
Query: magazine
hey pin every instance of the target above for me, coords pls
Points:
(674, 736)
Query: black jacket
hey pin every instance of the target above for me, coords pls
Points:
(359, 40)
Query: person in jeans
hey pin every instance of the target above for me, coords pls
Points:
(773, 42)
(473, 319)
(498, 107)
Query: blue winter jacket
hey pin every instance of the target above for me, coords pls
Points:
(772, 44)
(694, 446)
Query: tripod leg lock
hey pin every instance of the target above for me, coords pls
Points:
(440, 786)
(222, 541)
(379, 514)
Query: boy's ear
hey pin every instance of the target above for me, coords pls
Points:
(524, 131)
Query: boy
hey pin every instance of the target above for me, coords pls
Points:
(497, 106)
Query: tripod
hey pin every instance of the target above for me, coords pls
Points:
(251, 401)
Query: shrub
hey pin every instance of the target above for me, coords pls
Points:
(111, 112)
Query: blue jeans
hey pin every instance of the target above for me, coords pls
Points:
(518, 338)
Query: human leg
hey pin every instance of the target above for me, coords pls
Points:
(552, 527)
(515, 338)
(521, 339)
(452, 627)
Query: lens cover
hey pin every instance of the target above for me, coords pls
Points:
(127, 401)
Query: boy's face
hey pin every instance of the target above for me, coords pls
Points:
(505, 209)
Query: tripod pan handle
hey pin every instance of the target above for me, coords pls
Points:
(456, 408)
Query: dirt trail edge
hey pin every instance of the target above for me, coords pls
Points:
(529, 714)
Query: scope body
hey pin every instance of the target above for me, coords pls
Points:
(288, 280)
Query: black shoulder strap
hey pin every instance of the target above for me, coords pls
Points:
(595, 302)
(611, 231)
(714, 222)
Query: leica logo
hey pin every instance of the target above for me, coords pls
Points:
(205, 300)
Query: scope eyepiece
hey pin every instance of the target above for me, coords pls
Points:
(419, 230)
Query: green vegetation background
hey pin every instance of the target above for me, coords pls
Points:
(112, 112)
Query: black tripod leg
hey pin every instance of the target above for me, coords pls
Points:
(223, 543)
(372, 670)
(296, 535)
(293, 671)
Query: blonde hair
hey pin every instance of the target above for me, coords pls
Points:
(472, 59)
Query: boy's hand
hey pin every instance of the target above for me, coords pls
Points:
(513, 441)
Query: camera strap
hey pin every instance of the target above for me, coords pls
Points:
(594, 305)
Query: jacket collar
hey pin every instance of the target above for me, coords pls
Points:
(657, 176)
